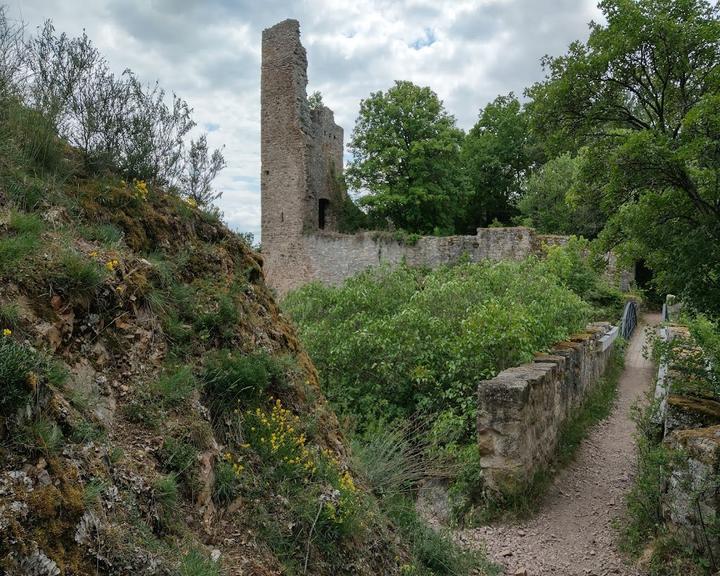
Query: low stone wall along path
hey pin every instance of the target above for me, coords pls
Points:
(573, 533)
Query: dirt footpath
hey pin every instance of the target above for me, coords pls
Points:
(573, 533)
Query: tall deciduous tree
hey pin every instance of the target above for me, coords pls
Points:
(497, 154)
(406, 159)
(643, 94)
(555, 199)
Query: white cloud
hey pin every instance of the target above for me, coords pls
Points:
(468, 51)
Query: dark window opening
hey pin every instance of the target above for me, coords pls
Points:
(644, 280)
(323, 205)
(267, 172)
(282, 216)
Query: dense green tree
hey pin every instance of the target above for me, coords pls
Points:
(406, 160)
(555, 199)
(643, 95)
(497, 155)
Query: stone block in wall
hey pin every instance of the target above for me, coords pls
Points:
(522, 409)
(686, 412)
(691, 500)
(508, 403)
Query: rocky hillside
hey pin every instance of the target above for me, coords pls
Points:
(157, 413)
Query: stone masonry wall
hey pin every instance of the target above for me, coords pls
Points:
(522, 409)
(331, 258)
(301, 156)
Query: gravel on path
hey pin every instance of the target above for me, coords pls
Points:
(572, 533)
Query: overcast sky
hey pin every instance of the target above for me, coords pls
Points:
(208, 52)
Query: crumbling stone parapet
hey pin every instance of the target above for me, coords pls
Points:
(522, 409)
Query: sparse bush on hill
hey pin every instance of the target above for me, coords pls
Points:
(116, 123)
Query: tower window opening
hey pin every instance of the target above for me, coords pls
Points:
(323, 205)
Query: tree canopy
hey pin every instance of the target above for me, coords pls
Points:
(643, 95)
(406, 160)
(497, 154)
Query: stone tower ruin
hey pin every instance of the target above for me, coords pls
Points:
(302, 199)
(302, 155)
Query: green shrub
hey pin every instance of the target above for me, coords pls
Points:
(573, 266)
(695, 359)
(180, 457)
(9, 316)
(34, 137)
(166, 491)
(392, 342)
(433, 551)
(86, 431)
(196, 564)
(226, 484)
(15, 250)
(24, 223)
(25, 192)
(42, 435)
(92, 492)
(392, 458)
(20, 365)
(673, 558)
(107, 234)
(219, 320)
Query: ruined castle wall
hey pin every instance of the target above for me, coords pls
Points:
(301, 156)
(522, 409)
(325, 166)
(285, 123)
(302, 159)
(331, 257)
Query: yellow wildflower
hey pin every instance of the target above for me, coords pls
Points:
(7, 332)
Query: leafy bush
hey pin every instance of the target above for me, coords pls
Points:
(42, 435)
(9, 316)
(695, 358)
(14, 250)
(226, 484)
(392, 342)
(26, 223)
(76, 275)
(180, 457)
(104, 233)
(165, 489)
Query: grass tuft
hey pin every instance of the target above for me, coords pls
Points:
(196, 564)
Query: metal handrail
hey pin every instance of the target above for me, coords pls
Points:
(629, 319)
